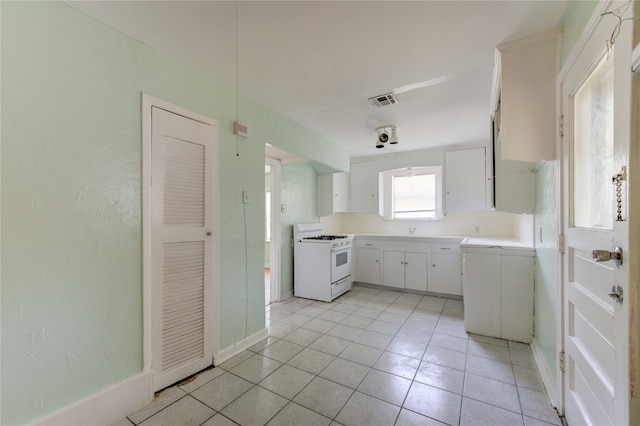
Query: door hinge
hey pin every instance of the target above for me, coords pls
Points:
(561, 125)
(561, 243)
(561, 361)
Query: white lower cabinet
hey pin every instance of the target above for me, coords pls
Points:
(498, 293)
(405, 270)
(421, 264)
(368, 265)
(446, 274)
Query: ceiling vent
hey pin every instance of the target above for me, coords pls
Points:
(382, 100)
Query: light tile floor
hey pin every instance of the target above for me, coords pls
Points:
(371, 357)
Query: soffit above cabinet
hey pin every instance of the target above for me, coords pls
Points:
(526, 81)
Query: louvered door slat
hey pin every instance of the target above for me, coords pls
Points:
(183, 315)
(183, 237)
(183, 168)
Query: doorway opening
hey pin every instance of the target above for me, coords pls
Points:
(267, 237)
(272, 239)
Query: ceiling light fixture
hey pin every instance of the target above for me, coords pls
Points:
(386, 134)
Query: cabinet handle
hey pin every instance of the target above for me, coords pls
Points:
(377, 261)
(368, 244)
(433, 266)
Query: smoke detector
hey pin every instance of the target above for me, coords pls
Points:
(383, 100)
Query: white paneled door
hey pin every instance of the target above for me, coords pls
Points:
(182, 245)
(596, 104)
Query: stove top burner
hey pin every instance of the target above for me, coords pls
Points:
(325, 237)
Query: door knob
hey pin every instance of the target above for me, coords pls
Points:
(209, 233)
(605, 255)
(616, 293)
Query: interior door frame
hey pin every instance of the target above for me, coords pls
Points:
(148, 102)
(276, 228)
(590, 31)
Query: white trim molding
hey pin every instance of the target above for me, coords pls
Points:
(105, 407)
(239, 346)
(547, 379)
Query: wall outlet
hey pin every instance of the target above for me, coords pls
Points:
(476, 229)
(245, 197)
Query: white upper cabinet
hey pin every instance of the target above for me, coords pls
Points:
(514, 184)
(333, 193)
(524, 101)
(526, 80)
(364, 187)
(465, 180)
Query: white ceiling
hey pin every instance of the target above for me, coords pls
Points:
(318, 62)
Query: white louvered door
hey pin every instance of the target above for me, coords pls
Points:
(182, 246)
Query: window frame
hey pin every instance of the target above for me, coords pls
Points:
(386, 190)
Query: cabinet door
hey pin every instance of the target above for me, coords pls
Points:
(465, 180)
(481, 281)
(364, 187)
(393, 269)
(368, 265)
(341, 183)
(415, 271)
(333, 194)
(446, 274)
(514, 185)
(516, 298)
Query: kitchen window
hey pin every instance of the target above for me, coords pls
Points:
(412, 193)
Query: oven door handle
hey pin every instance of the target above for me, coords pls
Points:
(341, 248)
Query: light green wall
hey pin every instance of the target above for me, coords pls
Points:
(547, 267)
(573, 24)
(547, 212)
(299, 184)
(71, 202)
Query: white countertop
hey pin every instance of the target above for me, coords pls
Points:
(416, 238)
(469, 242)
(506, 243)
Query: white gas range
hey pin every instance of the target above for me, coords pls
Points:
(322, 263)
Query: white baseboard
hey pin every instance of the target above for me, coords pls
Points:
(240, 346)
(105, 407)
(547, 378)
(285, 296)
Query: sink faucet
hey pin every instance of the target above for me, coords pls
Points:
(411, 230)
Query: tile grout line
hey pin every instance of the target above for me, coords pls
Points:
(405, 310)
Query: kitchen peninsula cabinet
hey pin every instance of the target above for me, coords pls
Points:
(498, 290)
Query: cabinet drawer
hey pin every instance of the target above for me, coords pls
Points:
(445, 248)
(367, 243)
(406, 246)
